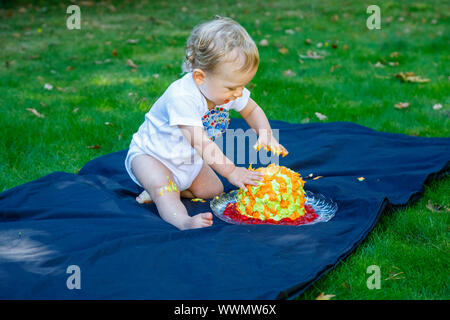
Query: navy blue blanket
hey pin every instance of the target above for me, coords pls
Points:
(126, 251)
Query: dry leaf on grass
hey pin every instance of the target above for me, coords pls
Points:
(264, 43)
(131, 64)
(93, 147)
(324, 296)
(378, 65)
(311, 55)
(434, 207)
(411, 77)
(437, 106)
(289, 73)
(321, 116)
(283, 50)
(402, 105)
(34, 111)
(335, 67)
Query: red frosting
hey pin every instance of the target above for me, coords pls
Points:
(232, 213)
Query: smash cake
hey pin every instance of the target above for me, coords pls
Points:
(278, 199)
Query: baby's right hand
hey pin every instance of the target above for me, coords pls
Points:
(242, 176)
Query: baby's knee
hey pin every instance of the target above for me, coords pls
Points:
(161, 189)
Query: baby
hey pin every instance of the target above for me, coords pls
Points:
(173, 154)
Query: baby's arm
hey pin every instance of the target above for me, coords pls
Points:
(213, 156)
(257, 120)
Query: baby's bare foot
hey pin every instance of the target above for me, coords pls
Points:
(144, 197)
(200, 220)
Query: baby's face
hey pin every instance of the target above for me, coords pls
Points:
(226, 83)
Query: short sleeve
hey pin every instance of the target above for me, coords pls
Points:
(184, 110)
(240, 102)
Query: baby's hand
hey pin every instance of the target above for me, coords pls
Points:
(242, 176)
(270, 144)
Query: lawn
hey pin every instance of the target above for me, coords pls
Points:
(69, 96)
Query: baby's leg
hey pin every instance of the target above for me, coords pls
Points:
(157, 180)
(144, 197)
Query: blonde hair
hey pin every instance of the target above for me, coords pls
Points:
(211, 42)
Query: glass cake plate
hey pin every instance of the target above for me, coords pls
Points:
(325, 208)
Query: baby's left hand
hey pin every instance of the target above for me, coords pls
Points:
(271, 144)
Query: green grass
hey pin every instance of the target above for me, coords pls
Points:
(98, 87)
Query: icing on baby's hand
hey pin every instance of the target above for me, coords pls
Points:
(273, 146)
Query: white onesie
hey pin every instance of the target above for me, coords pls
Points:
(159, 136)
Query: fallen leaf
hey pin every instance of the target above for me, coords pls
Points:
(132, 41)
(319, 45)
(324, 296)
(34, 111)
(93, 147)
(434, 207)
(131, 64)
(283, 50)
(114, 53)
(321, 116)
(289, 31)
(289, 73)
(48, 86)
(394, 54)
(437, 106)
(311, 55)
(411, 77)
(264, 43)
(70, 68)
(306, 120)
(402, 105)
(334, 46)
(378, 65)
(335, 67)
(318, 177)
(75, 110)
(308, 41)
(361, 178)
(109, 124)
(393, 63)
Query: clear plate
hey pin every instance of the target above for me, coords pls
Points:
(325, 208)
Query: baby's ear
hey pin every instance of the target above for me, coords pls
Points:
(199, 76)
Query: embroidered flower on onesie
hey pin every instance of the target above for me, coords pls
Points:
(216, 122)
